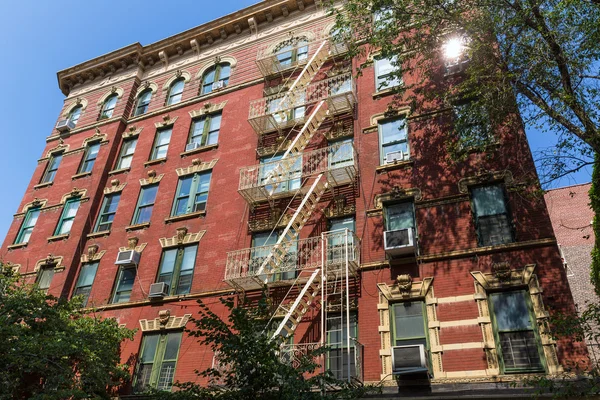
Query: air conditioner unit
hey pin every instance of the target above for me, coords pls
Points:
(218, 85)
(399, 242)
(128, 257)
(395, 156)
(65, 125)
(158, 290)
(192, 146)
(409, 359)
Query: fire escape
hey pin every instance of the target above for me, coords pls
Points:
(319, 272)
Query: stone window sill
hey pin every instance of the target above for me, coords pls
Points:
(185, 216)
(154, 162)
(81, 175)
(384, 93)
(17, 246)
(199, 150)
(43, 185)
(98, 234)
(118, 171)
(58, 237)
(137, 227)
(395, 165)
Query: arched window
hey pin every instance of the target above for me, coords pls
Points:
(109, 106)
(75, 114)
(216, 77)
(292, 51)
(143, 101)
(175, 91)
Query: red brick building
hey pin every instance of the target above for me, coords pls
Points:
(244, 151)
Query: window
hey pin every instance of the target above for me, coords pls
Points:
(107, 212)
(52, 167)
(516, 336)
(336, 245)
(292, 51)
(384, 70)
(44, 277)
(215, 77)
(341, 154)
(262, 244)
(124, 284)
(472, 125)
(177, 269)
(85, 281)
(341, 85)
(205, 130)
(491, 215)
(290, 180)
(382, 18)
(409, 324)
(126, 155)
(161, 144)
(192, 193)
(89, 158)
(75, 114)
(28, 224)
(157, 362)
(109, 106)
(399, 216)
(67, 217)
(142, 103)
(281, 114)
(339, 354)
(143, 210)
(175, 91)
(393, 139)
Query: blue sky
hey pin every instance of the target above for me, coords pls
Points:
(41, 37)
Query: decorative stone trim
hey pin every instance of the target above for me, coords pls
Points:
(119, 91)
(132, 132)
(386, 92)
(396, 165)
(58, 237)
(137, 227)
(503, 277)
(132, 244)
(340, 130)
(389, 114)
(75, 193)
(310, 37)
(178, 74)
(442, 201)
(208, 108)
(155, 162)
(164, 321)
(118, 171)
(98, 234)
(218, 60)
(485, 177)
(197, 166)
(96, 137)
(182, 237)
(72, 105)
(50, 261)
(405, 289)
(276, 219)
(42, 185)
(15, 267)
(146, 85)
(397, 193)
(115, 187)
(16, 246)
(81, 175)
(41, 203)
(152, 178)
(61, 147)
(199, 150)
(339, 208)
(167, 121)
(92, 254)
(185, 216)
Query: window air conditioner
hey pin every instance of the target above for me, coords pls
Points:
(65, 125)
(399, 242)
(218, 85)
(158, 290)
(395, 156)
(192, 146)
(409, 359)
(128, 257)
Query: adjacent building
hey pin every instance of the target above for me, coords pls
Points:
(245, 151)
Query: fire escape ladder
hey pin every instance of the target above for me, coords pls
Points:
(277, 256)
(300, 306)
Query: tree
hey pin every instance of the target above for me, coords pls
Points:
(250, 364)
(540, 55)
(52, 349)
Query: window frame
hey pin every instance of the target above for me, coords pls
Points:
(480, 132)
(216, 77)
(156, 146)
(394, 337)
(51, 169)
(387, 219)
(108, 109)
(341, 346)
(400, 142)
(175, 273)
(507, 214)
(139, 206)
(75, 114)
(64, 218)
(283, 186)
(116, 292)
(24, 227)
(123, 153)
(157, 361)
(382, 80)
(299, 46)
(195, 186)
(204, 136)
(50, 269)
(103, 212)
(140, 103)
(87, 162)
(172, 97)
(81, 288)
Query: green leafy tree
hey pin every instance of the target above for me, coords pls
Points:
(251, 365)
(51, 349)
(540, 56)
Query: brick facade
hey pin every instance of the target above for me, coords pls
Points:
(449, 253)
